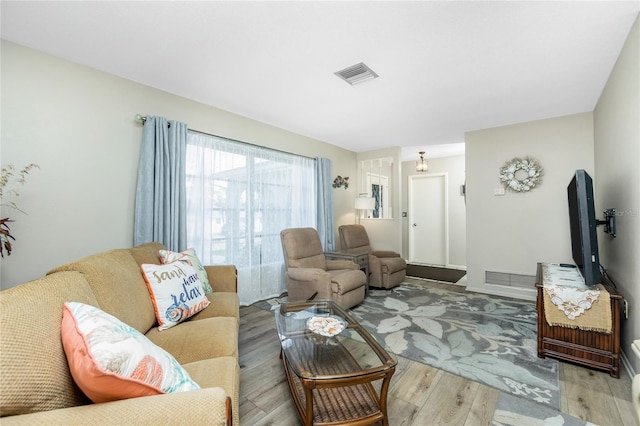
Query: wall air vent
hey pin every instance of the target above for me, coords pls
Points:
(510, 279)
(357, 74)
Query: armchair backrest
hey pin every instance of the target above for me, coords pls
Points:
(302, 248)
(354, 239)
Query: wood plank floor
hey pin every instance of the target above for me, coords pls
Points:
(419, 395)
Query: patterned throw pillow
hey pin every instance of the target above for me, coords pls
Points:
(176, 292)
(110, 360)
(188, 256)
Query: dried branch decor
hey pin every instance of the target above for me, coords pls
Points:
(9, 179)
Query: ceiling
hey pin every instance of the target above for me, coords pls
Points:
(445, 67)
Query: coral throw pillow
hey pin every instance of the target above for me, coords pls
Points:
(176, 292)
(110, 360)
(188, 256)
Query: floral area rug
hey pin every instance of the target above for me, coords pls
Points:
(513, 411)
(488, 339)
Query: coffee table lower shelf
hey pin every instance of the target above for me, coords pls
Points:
(350, 401)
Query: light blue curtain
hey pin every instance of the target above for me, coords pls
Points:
(324, 203)
(160, 210)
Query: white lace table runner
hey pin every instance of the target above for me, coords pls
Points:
(567, 290)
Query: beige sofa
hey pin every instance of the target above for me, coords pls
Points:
(36, 386)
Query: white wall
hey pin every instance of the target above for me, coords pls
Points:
(512, 232)
(617, 180)
(78, 125)
(454, 167)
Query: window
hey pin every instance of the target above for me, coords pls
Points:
(376, 182)
(239, 198)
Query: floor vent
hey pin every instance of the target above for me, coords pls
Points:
(510, 280)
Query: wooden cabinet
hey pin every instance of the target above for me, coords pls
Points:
(588, 348)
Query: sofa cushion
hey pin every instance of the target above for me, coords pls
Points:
(197, 340)
(35, 375)
(147, 253)
(221, 372)
(117, 282)
(200, 407)
(176, 292)
(188, 256)
(223, 304)
(110, 360)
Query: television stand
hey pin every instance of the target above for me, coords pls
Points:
(589, 348)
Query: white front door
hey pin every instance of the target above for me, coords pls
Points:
(428, 225)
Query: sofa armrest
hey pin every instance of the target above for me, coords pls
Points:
(209, 406)
(223, 277)
(336, 264)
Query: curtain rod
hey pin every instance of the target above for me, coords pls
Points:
(142, 119)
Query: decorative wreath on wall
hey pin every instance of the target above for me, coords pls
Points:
(521, 175)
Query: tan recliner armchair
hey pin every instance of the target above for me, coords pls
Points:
(386, 268)
(311, 276)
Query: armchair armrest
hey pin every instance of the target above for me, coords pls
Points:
(308, 283)
(385, 253)
(222, 277)
(307, 274)
(205, 406)
(335, 264)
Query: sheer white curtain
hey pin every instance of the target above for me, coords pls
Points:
(239, 198)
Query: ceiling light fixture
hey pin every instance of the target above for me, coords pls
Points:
(422, 165)
(356, 74)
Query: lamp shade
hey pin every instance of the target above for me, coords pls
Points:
(365, 203)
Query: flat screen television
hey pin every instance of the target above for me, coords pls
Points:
(583, 224)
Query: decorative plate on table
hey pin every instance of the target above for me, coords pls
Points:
(327, 325)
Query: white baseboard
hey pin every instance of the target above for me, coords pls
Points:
(499, 290)
(627, 364)
(460, 267)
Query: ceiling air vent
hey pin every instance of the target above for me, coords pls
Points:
(357, 74)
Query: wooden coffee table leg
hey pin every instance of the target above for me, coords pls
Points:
(308, 386)
(383, 396)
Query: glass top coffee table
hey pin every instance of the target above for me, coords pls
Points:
(331, 363)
